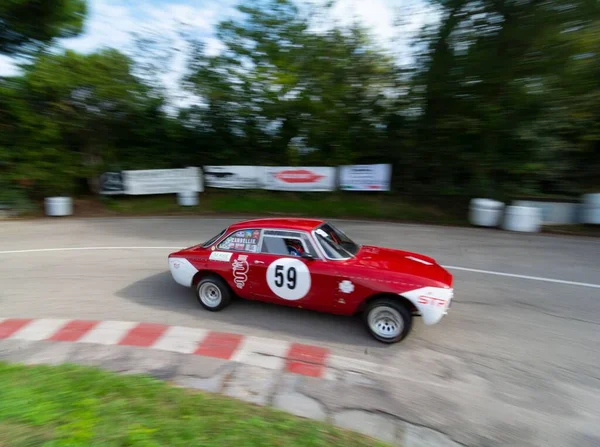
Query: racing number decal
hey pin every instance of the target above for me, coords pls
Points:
(292, 277)
(288, 278)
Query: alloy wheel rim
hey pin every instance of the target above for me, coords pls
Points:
(210, 294)
(385, 322)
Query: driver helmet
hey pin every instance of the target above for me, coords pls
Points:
(295, 247)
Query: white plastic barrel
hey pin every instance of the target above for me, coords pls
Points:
(187, 198)
(485, 212)
(591, 208)
(560, 213)
(522, 218)
(58, 206)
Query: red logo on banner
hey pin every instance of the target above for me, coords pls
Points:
(298, 176)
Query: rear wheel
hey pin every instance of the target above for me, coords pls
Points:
(388, 320)
(213, 293)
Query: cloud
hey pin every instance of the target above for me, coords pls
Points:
(114, 23)
(213, 46)
(377, 15)
(109, 24)
(392, 23)
(7, 66)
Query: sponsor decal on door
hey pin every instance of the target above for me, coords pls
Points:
(240, 271)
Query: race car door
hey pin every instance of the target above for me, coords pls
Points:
(292, 279)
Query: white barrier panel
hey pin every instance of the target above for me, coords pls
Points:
(287, 178)
(234, 177)
(162, 181)
(366, 177)
(591, 208)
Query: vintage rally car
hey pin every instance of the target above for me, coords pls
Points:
(309, 263)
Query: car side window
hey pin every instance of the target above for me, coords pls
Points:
(286, 243)
(243, 240)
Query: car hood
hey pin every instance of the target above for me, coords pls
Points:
(405, 262)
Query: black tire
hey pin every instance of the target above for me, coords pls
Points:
(398, 309)
(204, 286)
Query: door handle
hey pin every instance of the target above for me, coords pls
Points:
(258, 262)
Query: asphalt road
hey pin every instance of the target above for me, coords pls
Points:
(526, 335)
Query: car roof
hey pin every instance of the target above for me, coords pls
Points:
(282, 223)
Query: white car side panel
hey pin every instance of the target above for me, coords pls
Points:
(182, 271)
(432, 302)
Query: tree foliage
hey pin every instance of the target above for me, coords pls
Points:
(73, 111)
(25, 25)
(495, 83)
(282, 89)
(501, 99)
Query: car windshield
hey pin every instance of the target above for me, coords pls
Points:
(213, 239)
(335, 243)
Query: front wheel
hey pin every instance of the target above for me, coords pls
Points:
(388, 320)
(213, 293)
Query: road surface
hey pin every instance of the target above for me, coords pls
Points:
(517, 354)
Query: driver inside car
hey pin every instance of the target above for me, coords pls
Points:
(294, 247)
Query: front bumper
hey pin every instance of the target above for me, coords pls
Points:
(431, 302)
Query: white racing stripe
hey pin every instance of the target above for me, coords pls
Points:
(451, 267)
(180, 339)
(107, 332)
(266, 353)
(39, 329)
(533, 278)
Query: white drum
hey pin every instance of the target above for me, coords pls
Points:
(187, 198)
(485, 212)
(522, 218)
(58, 206)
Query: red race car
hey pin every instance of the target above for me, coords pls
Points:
(311, 264)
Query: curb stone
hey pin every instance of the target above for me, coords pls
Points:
(263, 386)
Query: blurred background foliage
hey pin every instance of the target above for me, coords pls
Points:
(502, 98)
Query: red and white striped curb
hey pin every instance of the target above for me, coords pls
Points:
(308, 360)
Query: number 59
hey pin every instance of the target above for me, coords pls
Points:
(290, 275)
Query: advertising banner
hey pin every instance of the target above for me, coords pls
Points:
(162, 181)
(287, 178)
(234, 177)
(366, 177)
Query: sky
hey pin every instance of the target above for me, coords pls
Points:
(111, 23)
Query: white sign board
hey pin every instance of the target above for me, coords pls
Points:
(234, 177)
(162, 181)
(366, 177)
(289, 178)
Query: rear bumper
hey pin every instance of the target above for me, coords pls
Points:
(182, 271)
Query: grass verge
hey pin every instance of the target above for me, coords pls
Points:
(332, 205)
(79, 406)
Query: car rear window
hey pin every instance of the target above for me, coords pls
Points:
(242, 240)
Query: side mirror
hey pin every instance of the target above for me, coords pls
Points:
(307, 256)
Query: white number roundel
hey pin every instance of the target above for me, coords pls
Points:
(288, 278)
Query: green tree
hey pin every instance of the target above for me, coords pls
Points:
(25, 25)
(283, 92)
(71, 110)
(490, 87)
